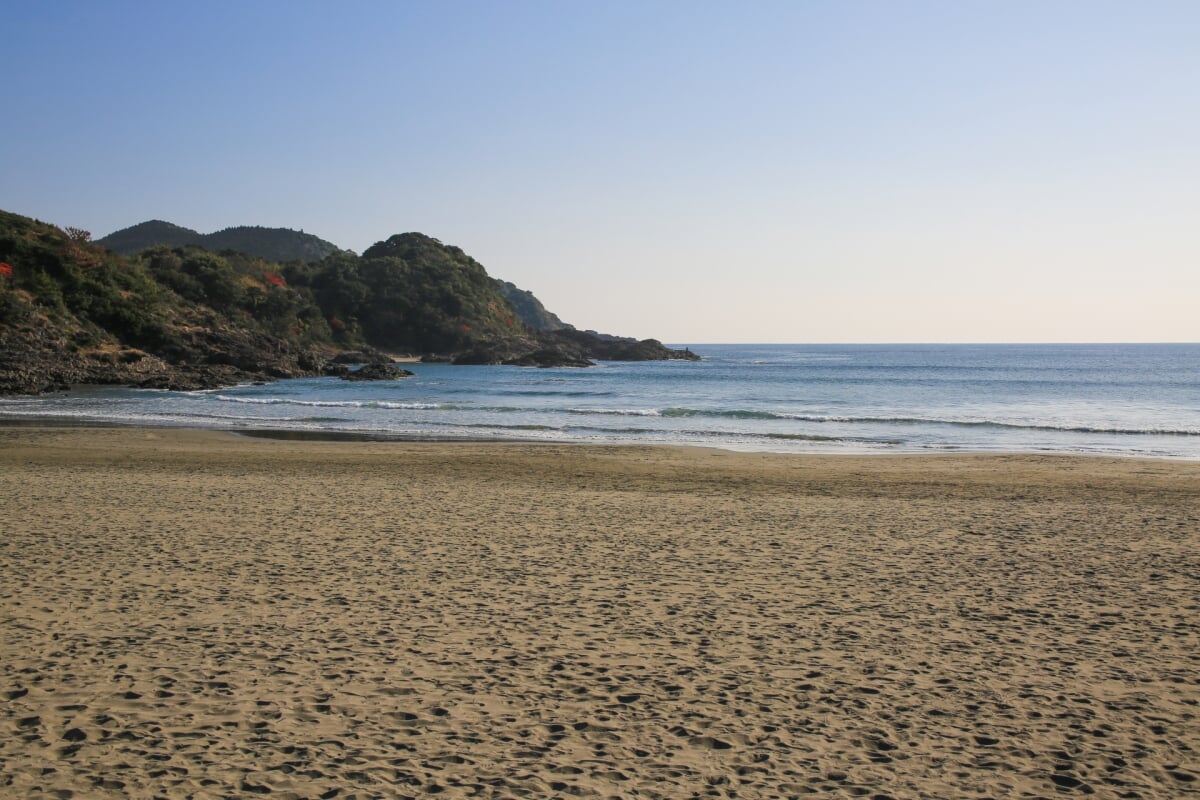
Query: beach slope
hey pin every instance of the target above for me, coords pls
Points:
(197, 614)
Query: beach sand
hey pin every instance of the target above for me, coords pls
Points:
(198, 614)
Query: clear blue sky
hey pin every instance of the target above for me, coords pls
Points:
(694, 171)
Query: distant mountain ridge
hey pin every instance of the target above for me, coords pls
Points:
(272, 244)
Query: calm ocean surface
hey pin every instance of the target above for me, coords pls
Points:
(1141, 400)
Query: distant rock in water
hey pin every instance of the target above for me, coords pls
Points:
(374, 372)
(367, 355)
(530, 352)
(569, 348)
(613, 348)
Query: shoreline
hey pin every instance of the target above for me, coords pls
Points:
(193, 612)
(327, 435)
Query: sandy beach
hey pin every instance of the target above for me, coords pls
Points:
(198, 614)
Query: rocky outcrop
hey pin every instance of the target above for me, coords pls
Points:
(243, 350)
(521, 352)
(375, 372)
(36, 360)
(567, 348)
(551, 357)
(39, 358)
(613, 348)
(521, 357)
(366, 355)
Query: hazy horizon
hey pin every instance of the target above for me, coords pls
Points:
(695, 172)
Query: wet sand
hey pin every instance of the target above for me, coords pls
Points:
(196, 614)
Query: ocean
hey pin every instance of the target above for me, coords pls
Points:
(1104, 399)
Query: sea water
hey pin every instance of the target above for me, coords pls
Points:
(1141, 400)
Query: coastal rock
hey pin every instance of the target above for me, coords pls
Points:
(495, 351)
(244, 350)
(567, 348)
(480, 355)
(523, 352)
(36, 358)
(376, 372)
(614, 348)
(551, 357)
(366, 355)
(195, 378)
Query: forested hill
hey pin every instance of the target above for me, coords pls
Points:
(284, 245)
(272, 244)
(132, 240)
(178, 316)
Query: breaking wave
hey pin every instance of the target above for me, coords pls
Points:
(747, 414)
(286, 401)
